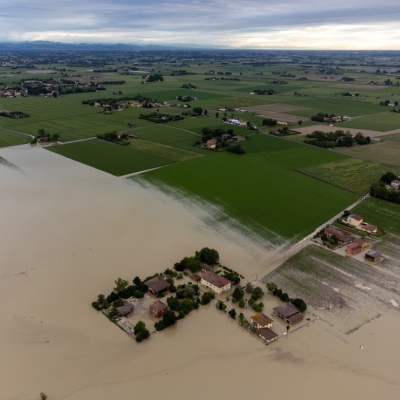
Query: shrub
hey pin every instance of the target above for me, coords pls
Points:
(242, 303)
(207, 297)
(232, 313)
(138, 294)
(96, 305)
(237, 148)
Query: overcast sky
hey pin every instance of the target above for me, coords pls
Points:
(342, 24)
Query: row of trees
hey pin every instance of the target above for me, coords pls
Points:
(298, 303)
(115, 138)
(336, 139)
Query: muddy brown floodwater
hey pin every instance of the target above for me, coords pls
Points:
(68, 231)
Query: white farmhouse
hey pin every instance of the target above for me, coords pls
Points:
(217, 283)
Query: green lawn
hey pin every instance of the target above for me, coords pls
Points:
(353, 174)
(267, 199)
(113, 158)
(8, 138)
(381, 213)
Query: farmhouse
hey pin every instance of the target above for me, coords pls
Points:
(362, 242)
(353, 248)
(260, 320)
(369, 228)
(217, 283)
(157, 285)
(288, 313)
(267, 334)
(373, 256)
(354, 219)
(211, 144)
(342, 235)
(158, 309)
(124, 310)
(239, 138)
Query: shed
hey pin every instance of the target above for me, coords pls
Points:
(206, 267)
(124, 310)
(260, 320)
(267, 334)
(373, 256)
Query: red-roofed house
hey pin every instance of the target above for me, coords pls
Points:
(353, 248)
(369, 228)
(158, 309)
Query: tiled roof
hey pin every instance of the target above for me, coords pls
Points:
(215, 279)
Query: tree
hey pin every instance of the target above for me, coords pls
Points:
(209, 256)
(232, 313)
(187, 306)
(388, 177)
(237, 148)
(300, 122)
(55, 137)
(141, 332)
(205, 112)
(169, 318)
(257, 294)
(249, 288)
(173, 303)
(287, 328)
(198, 110)
(324, 238)
(216, 114)
(300, 304)
(207, 297)
(43, 396)
(137, 281)
(242, 303)
(271, 286)
(120, 285)
(238, 293)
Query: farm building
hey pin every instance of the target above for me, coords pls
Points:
(373, 256)
(267, 334)
(362, 242)
(157, 285)
(353, 248)
(355, 219)
(124, 310)
(158, 309)
(206, 267)
(260, 320)
(288, 313)
(369, 228)
(211, 144)
(196, 277)
(217, 283)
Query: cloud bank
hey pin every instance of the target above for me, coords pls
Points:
(248, 24)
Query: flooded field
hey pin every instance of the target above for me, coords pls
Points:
(68, 231)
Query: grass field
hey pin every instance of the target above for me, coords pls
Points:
(387, 151)
(116, 159)
(353, 174)
(270, 200)
(8, 138)
(381, 213)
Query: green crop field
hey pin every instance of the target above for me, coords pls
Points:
(353, 174)
(301, 157)
(113, 158)
(165, 134)
(270, 200)
(381, 213)
(384, 121)
(8, 138)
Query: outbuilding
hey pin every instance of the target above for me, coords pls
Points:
(124, 310)
(158, 308)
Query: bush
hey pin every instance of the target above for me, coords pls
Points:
(242, 303)
(237, 148)
(187, 306)
(159, 326)
(96, 306)
(300, 304)
(232, 313)
(142, 335)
